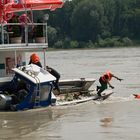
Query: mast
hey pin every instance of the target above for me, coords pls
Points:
(2, 21)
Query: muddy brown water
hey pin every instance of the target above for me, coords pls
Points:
(115, 119)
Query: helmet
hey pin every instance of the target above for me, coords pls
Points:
(34, 58)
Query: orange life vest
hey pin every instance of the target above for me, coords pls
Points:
(137, 96)
(108, 74)
(34, 58)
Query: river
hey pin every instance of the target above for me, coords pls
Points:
(115, 119)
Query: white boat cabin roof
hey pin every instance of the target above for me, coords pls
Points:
(34, 73)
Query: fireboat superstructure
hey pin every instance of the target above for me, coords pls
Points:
(13, 67)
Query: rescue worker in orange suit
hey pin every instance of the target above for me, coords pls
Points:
(104, 81)
(34, 59)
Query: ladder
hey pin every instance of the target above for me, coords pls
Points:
(37, 96)
(36, 92)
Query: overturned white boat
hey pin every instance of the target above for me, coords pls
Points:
(75, 85)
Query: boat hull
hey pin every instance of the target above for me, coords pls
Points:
(62, 101)
(78, 89)
(75, 85)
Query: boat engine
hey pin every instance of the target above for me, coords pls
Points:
(5, 102)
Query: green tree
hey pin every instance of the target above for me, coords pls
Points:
(60, 19)
(90, 21)
(133, 20)
(87, 20)
(109, 16)
(52, 36)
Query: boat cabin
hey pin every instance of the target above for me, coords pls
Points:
(13, 54)
(31, 87)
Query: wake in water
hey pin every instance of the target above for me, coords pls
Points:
(114, 99)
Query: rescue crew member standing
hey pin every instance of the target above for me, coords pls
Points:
(55, 74)
(34, 59)
(104, 80)
(23, 20)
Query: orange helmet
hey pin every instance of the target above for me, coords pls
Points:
(34, 58)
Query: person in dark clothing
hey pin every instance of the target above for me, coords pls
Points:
(104, 80)
(34, 59)
(23, 20)
(55, 74)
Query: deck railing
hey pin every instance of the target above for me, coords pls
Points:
(27, 37)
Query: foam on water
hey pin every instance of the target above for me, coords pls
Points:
(114, 99)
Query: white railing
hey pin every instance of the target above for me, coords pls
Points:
(29, 35)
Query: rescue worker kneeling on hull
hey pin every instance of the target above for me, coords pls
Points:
(104, 80)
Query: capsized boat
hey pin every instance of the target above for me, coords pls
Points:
(75, 85)
(80, 97)
(32, 87)
(74, 91)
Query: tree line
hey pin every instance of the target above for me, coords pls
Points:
(95, 23)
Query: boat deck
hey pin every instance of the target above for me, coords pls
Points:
(23, 47)
(6, 43)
